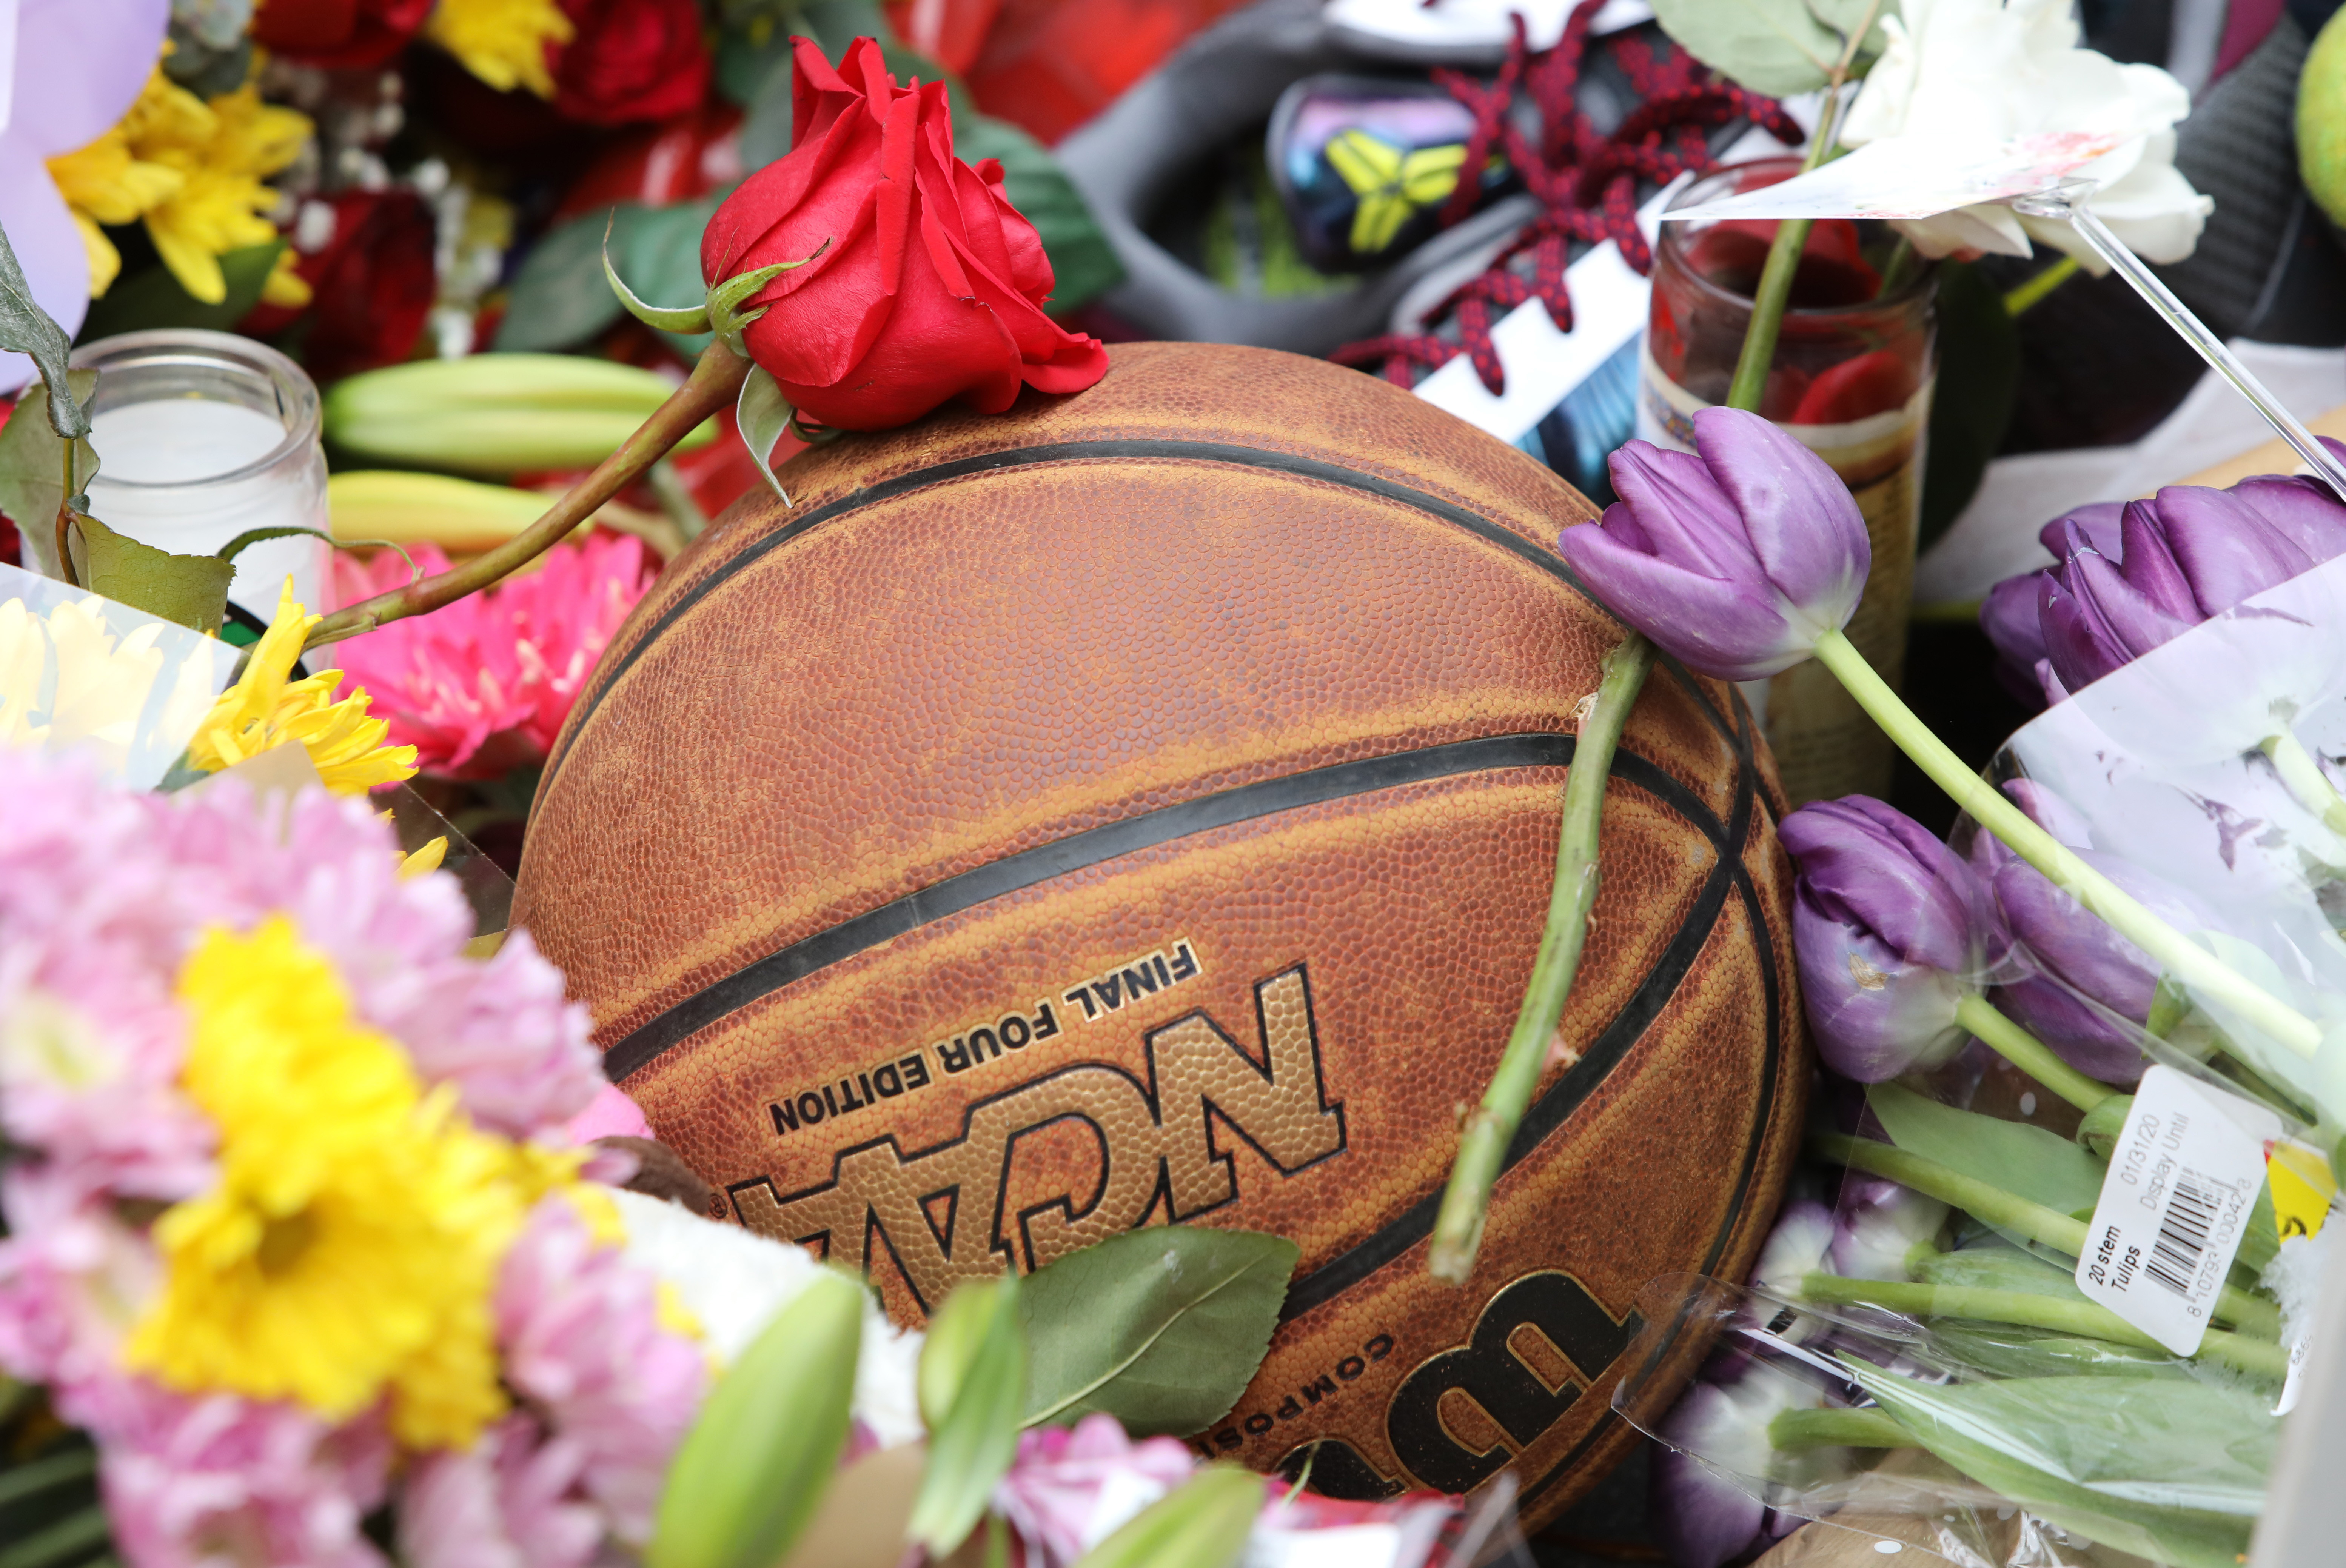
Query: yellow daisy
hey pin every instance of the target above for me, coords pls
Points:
(266, 707)
(503, 42)
(350, 1245)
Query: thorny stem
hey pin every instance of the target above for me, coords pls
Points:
(1482, 1144)
(716, 382)
(2030, 1054)
(2259, 1358)
(2009, 1212)
(2192, 964)
(1767, 300)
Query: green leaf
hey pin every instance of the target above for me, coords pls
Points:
(153, 298)
(1979, 382)
(32, 471)
(762, 415)
(1998, 1267)
(2009, 1350)
(559, 298)
(190, 590)
(2027, 1161)
(27, 329)
(973, 1392)
(1162, 1329)
(1083, 263)
(1773, 46)
(2173, 1470)
(1843, 16)
(662, 254)
(1201, 1524)
(748, 1476)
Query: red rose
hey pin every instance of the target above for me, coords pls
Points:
(630, 60)
(338, 34)
(933, 286)
(373, 283)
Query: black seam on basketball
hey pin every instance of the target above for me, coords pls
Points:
(1032, 456)
(1027, 868)
(1548, 1112)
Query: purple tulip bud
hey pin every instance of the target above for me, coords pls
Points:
(1795, 1249)
(1700, 1517)
(1734, 560)
(1878, 1227)
(1884, 930)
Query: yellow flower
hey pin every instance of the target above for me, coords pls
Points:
(503, 42)
(351, 1243)
(268, 708)
(66, 680)
(194, 171)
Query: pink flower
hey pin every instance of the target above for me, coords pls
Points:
(612, 1115)
(584, 1347)
(72, 1279)
(1069, 1489)
(481, 687)
(510, 1501)
(191, 1483)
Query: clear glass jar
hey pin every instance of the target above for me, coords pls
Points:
(201, 436)
(1851, 380)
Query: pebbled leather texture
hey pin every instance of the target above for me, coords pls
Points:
(1142, 805)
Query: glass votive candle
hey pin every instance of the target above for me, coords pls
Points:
(1851, 380)
(201, 436)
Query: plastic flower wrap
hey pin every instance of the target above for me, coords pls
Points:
(482, 686)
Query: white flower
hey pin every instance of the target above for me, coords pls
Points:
(734, 1280)
(1978, 73)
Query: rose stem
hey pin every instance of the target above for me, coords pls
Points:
(2187, 962)
(2260, 1357)
(2307, 784)
(1871, 1428)
(1483, 1144)
(2007, 1211)
(1767, 300)
(2030, 1054)
(716, 382)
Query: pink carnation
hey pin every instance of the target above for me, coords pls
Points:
(584, 1347)
(481, 687)
(72, 1279)
(512, 1500)
(193, 1481)
(1055, 1492)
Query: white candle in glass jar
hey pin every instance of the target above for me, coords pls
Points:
(202, 436)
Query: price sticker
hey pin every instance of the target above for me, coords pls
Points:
(2184, 1178)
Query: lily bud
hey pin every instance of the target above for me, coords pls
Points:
(1735, 559)
(1884, 928)
(490, 415)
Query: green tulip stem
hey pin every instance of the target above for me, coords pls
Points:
(2019, 300)
(1838, 1428)
(2011, 1213)
(2307, 784)
(2176, 953)
(2062, 1314)
(2030, 1054)
(715, 383)
(1491, 1126)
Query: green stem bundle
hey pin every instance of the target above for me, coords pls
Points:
(1491, 1127)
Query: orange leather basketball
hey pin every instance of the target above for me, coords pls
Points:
(1141, 806)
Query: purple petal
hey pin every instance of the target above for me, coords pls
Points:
(2095, 620)
(2096, 525)
(2076, 947)
(1872, 1015)
(2049, 811)
(1867, 865)
(2224, 546)
(1683, 516)
(1803, 524)
(1795, 1248)
(2008, 617)
(1877, 1225)
(1699, 1518)
(47, 245)
(80, 65)
(1720, 629)
(2087, 1039)
(2302, 510)
(2150, 565)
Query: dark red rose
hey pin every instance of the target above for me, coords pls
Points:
(338, 34)
(372, 284)
(933, 286)
(630, 60)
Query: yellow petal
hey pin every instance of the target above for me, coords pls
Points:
(424, 861)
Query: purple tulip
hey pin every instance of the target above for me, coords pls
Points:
(1877, 1227)
(1736, 560)
(2083, 970)
(1701, 1517)
(1885, 931)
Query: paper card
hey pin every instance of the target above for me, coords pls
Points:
(2183, 1177)
(82, 674)
(1902, 176)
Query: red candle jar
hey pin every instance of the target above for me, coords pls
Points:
(1851, 381)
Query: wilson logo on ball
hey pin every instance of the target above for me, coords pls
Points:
(1154, 1136)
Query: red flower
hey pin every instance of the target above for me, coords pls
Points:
(933, 286)
(338, 34)
(630, 60)
(373, 283)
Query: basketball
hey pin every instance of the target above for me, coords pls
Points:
(1141, 806)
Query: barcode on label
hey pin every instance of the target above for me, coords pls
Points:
(2183, 1230)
